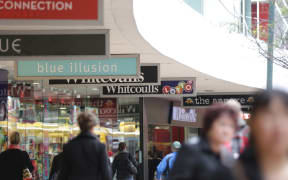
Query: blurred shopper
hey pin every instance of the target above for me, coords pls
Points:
(56, 166)
(267, 158)
(124, 164)
(200, 158)
(85, 157)
(14, 162)
(240, 141)
(137, 176)
(153, 162)
(167, 163)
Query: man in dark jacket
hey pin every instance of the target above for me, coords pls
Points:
(123, 164)
(85, 157)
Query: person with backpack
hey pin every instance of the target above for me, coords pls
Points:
(124, 164)
(15, 164)
(167, 163)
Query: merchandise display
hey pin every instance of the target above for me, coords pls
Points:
(47, 123)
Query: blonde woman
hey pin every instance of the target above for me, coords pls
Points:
(13, 161)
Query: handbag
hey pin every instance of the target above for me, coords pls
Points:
(26, 174)
(133, 170)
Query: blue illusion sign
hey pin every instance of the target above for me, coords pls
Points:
(124, 66)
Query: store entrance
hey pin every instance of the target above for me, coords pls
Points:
(46, 118)
(161, 138)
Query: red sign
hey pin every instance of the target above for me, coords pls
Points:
(50, 9)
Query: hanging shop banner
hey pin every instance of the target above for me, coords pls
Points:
(52, 10)
(150, 74)
(245, 100)
(167, 88)
(3, 94)
(21, 45)
(123, 66)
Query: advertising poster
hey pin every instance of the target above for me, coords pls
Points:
(105, 108)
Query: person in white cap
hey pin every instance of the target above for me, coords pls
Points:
(240, 141)
(167, 162)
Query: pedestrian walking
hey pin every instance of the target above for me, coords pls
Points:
(167, 163)
(266, 157)
(240, 141)
(15, 164)
(85, 157)
(138, 175)
(57, 164)
(200, 158)
(155, 161)
(124, 164)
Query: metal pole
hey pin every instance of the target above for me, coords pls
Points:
(270, 44)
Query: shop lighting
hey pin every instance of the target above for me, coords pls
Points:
(63, 108)
(50, 124)
(95, 89)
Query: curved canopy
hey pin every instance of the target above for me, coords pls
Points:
(179, 32)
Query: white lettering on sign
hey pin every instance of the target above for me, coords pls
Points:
(149, 89)
(139, 79)
(77, 67)
(8, 44)
(36, 5)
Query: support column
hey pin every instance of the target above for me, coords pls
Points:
(248, 15)
(270, 44)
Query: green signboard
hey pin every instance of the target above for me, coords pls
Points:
(117, 66)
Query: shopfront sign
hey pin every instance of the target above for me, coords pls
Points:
(174, 87)
(22, 45)
(52, 10)
(118, 65)
(150, 74)
(245, 100)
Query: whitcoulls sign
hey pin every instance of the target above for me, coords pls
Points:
(54, 43)
(53, 10)
(171, 87)
(150, 74)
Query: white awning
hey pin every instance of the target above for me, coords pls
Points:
(179, 32)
